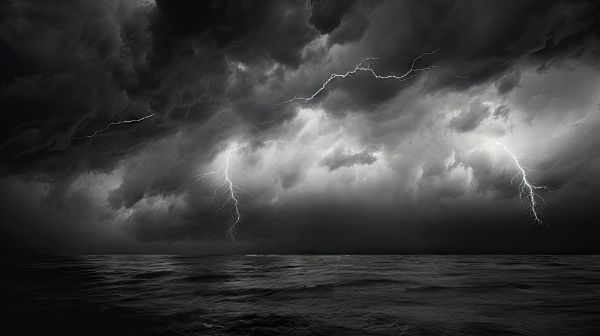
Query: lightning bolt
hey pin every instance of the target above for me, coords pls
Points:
(160, 204)
(231, 190)
(527, 190)
(365, 66)
(232, 196)
(115, 123)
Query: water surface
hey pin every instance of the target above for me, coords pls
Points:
(303, 295)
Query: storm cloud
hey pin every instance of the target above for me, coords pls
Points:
(127, 124)
(343, 158)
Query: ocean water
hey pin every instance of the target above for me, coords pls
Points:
(302, 295)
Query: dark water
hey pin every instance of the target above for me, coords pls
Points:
(303, 295)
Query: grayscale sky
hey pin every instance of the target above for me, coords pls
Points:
(134, 126)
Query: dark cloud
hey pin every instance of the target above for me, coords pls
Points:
(471, 117)
(327, 14)
(351, 29)
(79, 82)
(508, 82)
(501, 112)
(253, 29)
(212, 73)
(341, 157)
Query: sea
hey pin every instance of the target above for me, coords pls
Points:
(302, 295)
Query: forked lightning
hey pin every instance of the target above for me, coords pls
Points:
(527, 190)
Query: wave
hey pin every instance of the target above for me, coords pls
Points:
(309, 289)
(152, 275)
(205, 277)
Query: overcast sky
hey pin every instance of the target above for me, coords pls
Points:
(142, 126)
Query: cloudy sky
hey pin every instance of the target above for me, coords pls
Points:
(216, 127)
